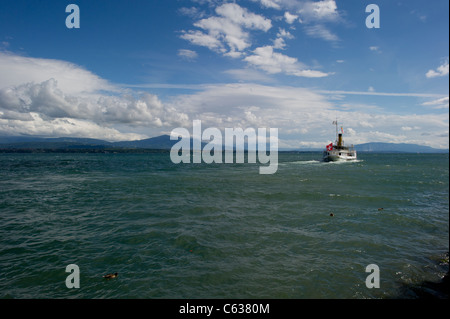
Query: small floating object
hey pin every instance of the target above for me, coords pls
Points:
(331, 214)
(380, 208)
(110, 276)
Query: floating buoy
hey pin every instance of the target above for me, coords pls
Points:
(110, 276)
(380, 208)
(331, 214)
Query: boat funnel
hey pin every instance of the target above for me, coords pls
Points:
(340, 142)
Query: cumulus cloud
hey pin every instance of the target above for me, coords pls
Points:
(57, 97)
(227, 31)
(325, 10)
(199, 38)
(279, 42)
(316, 15)
(47, 99)
(38, 125)
(273, 62)
(290, 18)
(442, 70)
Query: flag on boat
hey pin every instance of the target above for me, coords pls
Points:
(330, 147)
(342, 129)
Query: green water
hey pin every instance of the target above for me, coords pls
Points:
(221, 230)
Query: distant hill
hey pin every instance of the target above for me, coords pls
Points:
(23, 142)
(160, 142)
(68, 143)
(163, 142)
(397, 148)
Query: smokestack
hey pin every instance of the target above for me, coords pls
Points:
(340, 143)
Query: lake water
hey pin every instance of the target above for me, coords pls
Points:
(221, 230)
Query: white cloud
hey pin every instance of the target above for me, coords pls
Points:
(320, 31)
(290, 18)
(442, 103)
(274, 4)
(304, 116)
(409, 128)
(202, 39)
(325, 10)
(193, 12)
(187, 54)
(442, 70)
(242, 16)
(62, 127)
(279, 42)
(272, 62)
(375, 49)
(250, 105)
(228, 29)
(310, 10)
(59, 97)
(48, 100)
(424, 95)
(228, 33)
(282, 33)
(71, 78)
(316, 15)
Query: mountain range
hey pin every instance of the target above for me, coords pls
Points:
(163, 142)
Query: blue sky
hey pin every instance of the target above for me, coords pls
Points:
(137, 69)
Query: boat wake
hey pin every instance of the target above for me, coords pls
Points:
(343, 162)
(305, 162)
(319, 162)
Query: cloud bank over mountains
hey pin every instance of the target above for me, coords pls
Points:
(51, 97)
(57, 98)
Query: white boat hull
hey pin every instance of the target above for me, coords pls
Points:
(339, 156)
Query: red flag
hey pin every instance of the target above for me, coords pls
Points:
(330, 147)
